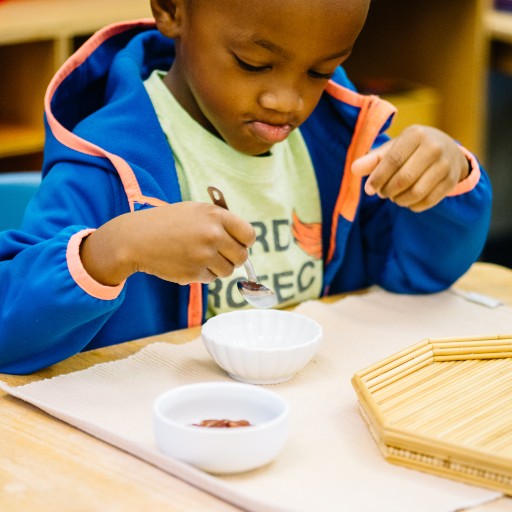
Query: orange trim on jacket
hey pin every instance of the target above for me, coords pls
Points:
(472, 180)
(80, 275)
(75, 142)
(126, 174)
(372, 117)
(195, 305)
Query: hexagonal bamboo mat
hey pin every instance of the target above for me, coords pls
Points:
(444, 406)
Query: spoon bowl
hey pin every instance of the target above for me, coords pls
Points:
(255, 294)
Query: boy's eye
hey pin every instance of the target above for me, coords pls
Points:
(320, 76)
(249, 67)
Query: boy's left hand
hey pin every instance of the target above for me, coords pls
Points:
(415, 170)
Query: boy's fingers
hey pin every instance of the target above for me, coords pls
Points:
(418, 169)
(367, 164)
(221, 266)
(238, 229)
(364, 165)
(392, 160)
(243, 234)
(427, 189)
(233, 246)
(436, 195)
(233, 252)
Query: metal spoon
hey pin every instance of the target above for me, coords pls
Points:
(256, 294)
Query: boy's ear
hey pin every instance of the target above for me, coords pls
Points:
(168, 15)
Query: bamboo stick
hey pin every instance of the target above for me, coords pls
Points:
(489, 355)
(396, 360)
(399, 376)
(460, 396)
(417, 383)
(481, 349)
(425, 354)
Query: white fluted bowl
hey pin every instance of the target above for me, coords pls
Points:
(261, 346)
(221, 450)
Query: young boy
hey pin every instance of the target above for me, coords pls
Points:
(122, 240)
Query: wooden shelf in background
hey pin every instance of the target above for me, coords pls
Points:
(438, 44)
(36, 37)
(31, 20)
(18, 140)
(498, 25)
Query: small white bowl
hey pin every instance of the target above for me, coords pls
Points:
(261, 346)
(221, 450)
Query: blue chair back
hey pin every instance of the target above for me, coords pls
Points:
(16, 190)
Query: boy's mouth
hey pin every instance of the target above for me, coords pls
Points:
(270, 133)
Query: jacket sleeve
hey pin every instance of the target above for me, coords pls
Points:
(45, 314)
(427, 252)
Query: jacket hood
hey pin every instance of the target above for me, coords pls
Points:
(101, 85)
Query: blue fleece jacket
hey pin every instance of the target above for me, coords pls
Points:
(106, 155)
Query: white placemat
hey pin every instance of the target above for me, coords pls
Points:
(330, 461)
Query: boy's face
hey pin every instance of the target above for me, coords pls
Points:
(251, 71)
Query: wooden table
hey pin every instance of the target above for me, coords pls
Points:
(46, 464)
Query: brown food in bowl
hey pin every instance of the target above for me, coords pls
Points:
(222, 423)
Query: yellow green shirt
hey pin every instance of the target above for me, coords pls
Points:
(277, 194)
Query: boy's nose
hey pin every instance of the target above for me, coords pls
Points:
(282, 100)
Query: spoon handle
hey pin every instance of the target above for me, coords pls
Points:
(249, 269)
(217, 198)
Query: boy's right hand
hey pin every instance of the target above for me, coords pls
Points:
(183, 243)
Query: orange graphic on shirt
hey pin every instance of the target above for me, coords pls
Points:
(308, 236)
